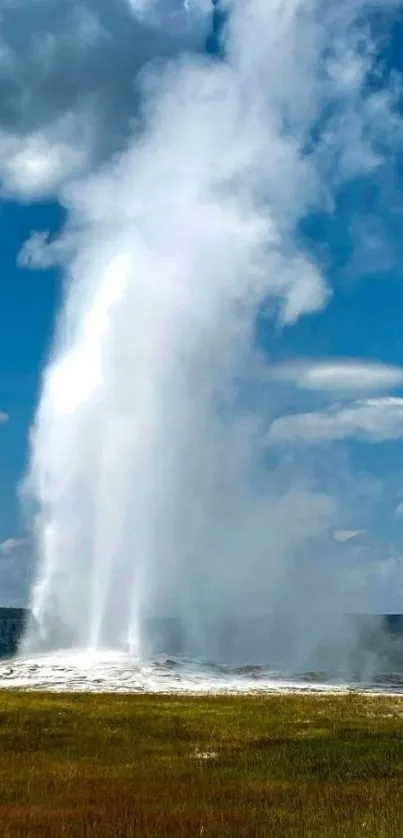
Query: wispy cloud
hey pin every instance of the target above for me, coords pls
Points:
(36, 165)
(4, 417)
(338, 374)
(12, 545)
(370, 420)
(39, 253)
(68, 81)
(346, 535)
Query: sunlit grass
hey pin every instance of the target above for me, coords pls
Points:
(110, 765)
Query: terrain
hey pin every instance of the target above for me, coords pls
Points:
(147, 765)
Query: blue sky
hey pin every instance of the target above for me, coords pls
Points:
(357, 242)
(30, 302)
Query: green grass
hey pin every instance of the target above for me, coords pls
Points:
(110, 765)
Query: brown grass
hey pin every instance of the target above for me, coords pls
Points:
(109, 765)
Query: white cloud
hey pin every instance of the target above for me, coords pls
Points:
(12, 545)
(69, 78)
(302, 287)
(55, 61)
(346, 535)
(179, 14)
(37, 252)
(339, 374)
(372, 250)
(35, 166)
(371, 420)
(4, 417)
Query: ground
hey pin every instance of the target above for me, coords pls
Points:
(146, 765)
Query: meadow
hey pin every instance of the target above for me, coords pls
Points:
(146, 765)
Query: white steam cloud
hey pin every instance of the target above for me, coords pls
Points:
(153, 496)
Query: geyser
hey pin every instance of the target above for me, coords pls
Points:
(155, 495)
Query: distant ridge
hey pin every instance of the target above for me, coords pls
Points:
(12, 624)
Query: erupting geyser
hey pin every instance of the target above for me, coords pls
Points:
(154, 493)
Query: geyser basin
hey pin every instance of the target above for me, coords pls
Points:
(111, 671)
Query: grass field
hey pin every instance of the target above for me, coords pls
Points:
(110, 765)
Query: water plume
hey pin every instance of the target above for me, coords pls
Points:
(155, 494)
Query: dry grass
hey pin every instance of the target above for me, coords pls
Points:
(109, 765)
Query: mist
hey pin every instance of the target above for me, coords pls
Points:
(155, 485)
